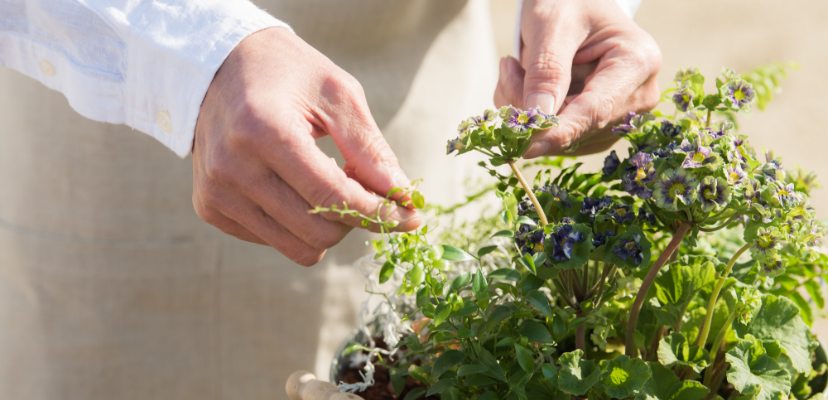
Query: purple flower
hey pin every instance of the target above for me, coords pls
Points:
(590, 206)
(685, 73)
(525, 207)
(786, 194)
(670, 130)
(563, 241)
(713, 193)
(627, 249)
(631, 122)
(683, 98)
(528, 240)
(454, 144)
(735, 174)
(772, 268)
(600, 239)
(674, 188)
(641, 173)
(558, 194)
(697, 155)
(737, 93)
(621, 214)
(611, 164)
(644, 216)
(767, 242)
(753, 192)
(523, 121)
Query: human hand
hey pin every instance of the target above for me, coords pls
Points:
(257, 170)
(585, 61)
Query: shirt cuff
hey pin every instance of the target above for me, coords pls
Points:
(171, 57)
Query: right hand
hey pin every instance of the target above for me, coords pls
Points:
(256, 167)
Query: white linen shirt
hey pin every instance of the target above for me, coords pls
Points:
(144, 63)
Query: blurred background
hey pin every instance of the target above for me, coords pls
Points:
(740, 34)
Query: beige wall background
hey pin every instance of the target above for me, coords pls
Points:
(742, 34)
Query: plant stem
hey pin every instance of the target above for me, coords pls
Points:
(652, 355)
(580, 334)
(530, 193)
(709, 116)
(711, 304)
(723, 225)
(714, 351)
(648, 281)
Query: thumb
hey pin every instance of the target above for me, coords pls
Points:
(549, 48)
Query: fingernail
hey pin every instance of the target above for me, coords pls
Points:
(536, 149)
(545, 101)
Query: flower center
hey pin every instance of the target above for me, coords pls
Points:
(734, 176)
(640, 175)
(764, 241)
(629, 245)
(698, 158)
(676, 190)
(538, 248)
(739, 95)
(621, 212)
(523, 119)
(783, 193)
(709, 194)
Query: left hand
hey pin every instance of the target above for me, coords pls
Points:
(585, 61)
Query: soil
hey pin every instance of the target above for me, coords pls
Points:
(382, 389)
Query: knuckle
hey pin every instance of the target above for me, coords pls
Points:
(206, 213)
(548, 66)
(325, 239)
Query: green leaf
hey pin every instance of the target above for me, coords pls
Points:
(510, 205)
(577, 376)
(398, 378)
(417, 199)
(751, 368)
(486, 250)
(540, 302)
(677, 350)
(440, 386)
(683, 279)
(526, 221)
(441, 313)
(580, 250)
(460, 282)
(536, 331)
(525, 358)
(464, 333)
(451, 394)
(353, 347)
(417, 373)
(445, 362)
(452, 253)
(623, 376)
(779, 319)
(531, 282)
(558, 327)
(469, 369)
(665, 385)
(488, 396)
(415, 393)
(509, 274)
(487, 360)
(815, 292)
(386, 272)
(550, 372)
(497, 315)
(423, 297)
(479, 380)
(504, 233)
(645, 244)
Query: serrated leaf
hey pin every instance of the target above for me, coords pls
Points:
(535, 331)
(676, 349)
(441, 313)
(440, 386)
(575, 375)
(751, 367)
(469, 369)
(445, 362)
(623, 376)
(540, 302)
(778, 319)
(665, 385)
(688, 390)
(509, 274)
(683, 279)
(386, 272)
(452, 253)
(525, 358)
(486, 250)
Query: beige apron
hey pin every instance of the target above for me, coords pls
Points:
(112, 288)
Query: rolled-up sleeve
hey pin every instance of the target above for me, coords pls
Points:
(144, 63)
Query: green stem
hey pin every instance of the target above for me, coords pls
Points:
(711, 304)
(530, 193)
(714, 351)
(723, 225)
(648, 281)
(709, 116)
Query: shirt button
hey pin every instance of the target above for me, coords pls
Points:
(47, 68)
(164, 121)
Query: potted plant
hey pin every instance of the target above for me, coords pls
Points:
(690, 270)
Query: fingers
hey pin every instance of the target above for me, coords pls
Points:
(509, 88)
(550, 44)
(344, 113)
